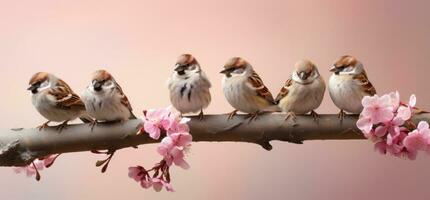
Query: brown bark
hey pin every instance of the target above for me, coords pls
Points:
(20, 147)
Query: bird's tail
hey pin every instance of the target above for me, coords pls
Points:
(132, 116)
(86, 118)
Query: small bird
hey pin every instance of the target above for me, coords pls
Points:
(105, 101)
(303, 92)
(348, 85)
(55, 100)
(189, 86)
(245, 90)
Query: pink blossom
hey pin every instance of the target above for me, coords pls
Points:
(136, 173)
(178, 125)
(383, 120)
(31, 169)
(165, 146)
(171, 153)
(158, 185)
(146, 183)
(395, 143)
(156, 119)
(405, 112)
(182, 139)
(171, 147)
(419, 138)
(392, 127)
(139, 174)
(152, 129)
(394, 101)
(378, 109)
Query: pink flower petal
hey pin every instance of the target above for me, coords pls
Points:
(368, 101)
(364, 124)
(412, 100)
(404, 113)
(381, 131)
(136, 173)
(381, 147)
(157, 184)
(152, 129)
(394, 99)
(146, 184)
(415, 141)
(423, 125)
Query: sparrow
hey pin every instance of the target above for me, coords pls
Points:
(245, 90)
(105, 101)
(303, 92)
(189, 86)
(348, 85)
(55, 100)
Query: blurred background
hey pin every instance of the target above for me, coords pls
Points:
(139, 41)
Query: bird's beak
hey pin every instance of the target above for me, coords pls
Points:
(97, 86)
(32, 87)
(333, 69)
(225, 71)
(179, 68)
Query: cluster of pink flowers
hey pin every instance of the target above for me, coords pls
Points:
(36, 166)
(387, 122)
(172, 147)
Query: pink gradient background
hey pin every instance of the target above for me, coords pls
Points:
(139, 41)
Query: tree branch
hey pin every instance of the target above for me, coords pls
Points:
(19, 147)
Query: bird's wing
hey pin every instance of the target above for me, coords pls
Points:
(260, 88)
(284, 91)
(125, 101)
(365, 84)
(65, 98)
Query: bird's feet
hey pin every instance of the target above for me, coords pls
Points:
(43, 126)
(62, 126)
(232, 114)
(104, 163)
(291, 115)
(201, 115)
(315, 115)
(341, 115)
(93, 124)
(252, 116)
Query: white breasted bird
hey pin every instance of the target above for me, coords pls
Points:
(245, 90)
(55, 100)
(189, 86)
(348, 85)
(105, 100)
(303, 92)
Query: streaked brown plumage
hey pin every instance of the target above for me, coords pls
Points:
(349, 84)
(55, 100)
(244, 89)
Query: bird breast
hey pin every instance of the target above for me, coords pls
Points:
(242, 96)
(346, 93)
(189, 95)
(303, 98)
(106, 106)
(46, 105)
